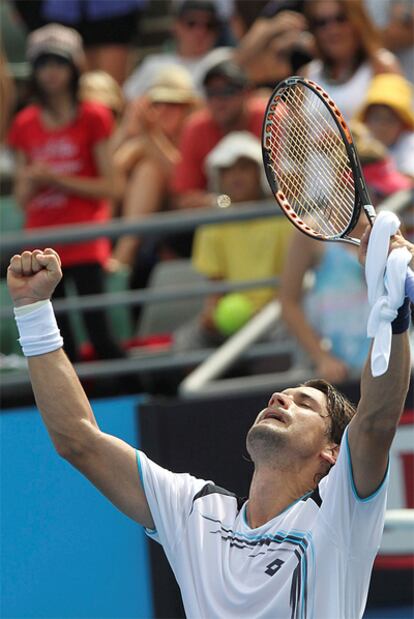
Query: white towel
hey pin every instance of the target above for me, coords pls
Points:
(385, 279)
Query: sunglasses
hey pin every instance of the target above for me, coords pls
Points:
(223, 92)
(204, 25)
(340, 18)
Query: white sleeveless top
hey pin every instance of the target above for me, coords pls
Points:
(348, 96)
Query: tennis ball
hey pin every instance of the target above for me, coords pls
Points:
(232, 312)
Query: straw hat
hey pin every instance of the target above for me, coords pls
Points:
(101, 87)
(172, 84)
(394, 91)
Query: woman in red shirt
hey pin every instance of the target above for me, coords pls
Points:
(63, 170)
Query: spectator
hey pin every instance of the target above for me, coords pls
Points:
(338, 294)
(350, 52)
(195, 32)
(239, 251)
(230, 107)
(100, 87)
(64, 175)
(106, 27)
(146, 162)
(395, 21)
(388, 112)
(277, 44)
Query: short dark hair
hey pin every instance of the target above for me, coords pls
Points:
(340, 409)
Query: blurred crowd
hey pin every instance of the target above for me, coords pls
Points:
(103, 126)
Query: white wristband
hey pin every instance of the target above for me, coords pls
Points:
(38, 329)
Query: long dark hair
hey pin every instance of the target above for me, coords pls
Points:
(38, 95)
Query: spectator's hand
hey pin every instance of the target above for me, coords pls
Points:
(113, 265)
(40, 174)
(331, 369)
(33, 275)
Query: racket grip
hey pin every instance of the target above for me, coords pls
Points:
(370, 213)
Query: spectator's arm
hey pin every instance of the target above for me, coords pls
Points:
(285, 27)
(398, 34)
(24, 188)
(301, 257)
(103, 186)
(144, 196)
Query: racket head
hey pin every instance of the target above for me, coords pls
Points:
(311, 162)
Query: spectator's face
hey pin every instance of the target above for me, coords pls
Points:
(334, 33)
(241, 181)
(196, 33)
(384, 124)
(225, 101)
(53, 74)
(170, 118)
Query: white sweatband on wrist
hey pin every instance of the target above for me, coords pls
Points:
(38, 329)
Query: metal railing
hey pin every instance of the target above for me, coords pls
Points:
(159, 224)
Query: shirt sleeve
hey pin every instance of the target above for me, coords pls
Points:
(170, 498)
(100, 123)
(355, 523)
(206, 256)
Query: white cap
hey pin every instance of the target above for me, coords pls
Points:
(232, 147)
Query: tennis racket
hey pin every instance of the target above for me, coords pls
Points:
(311, 162)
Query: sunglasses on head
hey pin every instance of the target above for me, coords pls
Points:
(198, 23)
(322, 22)
(223, 92)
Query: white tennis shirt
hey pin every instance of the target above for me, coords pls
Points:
(312, 561)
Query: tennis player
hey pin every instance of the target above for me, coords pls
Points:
(303, 544)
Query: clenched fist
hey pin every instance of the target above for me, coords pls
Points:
(33, 275)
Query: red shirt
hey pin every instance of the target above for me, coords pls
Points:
(68, 150)
(200, 136)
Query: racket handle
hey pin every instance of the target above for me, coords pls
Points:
(370, 213)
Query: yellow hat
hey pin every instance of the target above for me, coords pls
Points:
(394, 91)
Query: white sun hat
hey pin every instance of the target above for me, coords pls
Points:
(234, 146)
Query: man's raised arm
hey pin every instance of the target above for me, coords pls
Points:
(382, 401)
(109, 463)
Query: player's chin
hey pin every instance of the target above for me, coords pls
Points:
(264, 437)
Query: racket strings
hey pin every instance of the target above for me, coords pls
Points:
(305, 139)
(292, 185)
(299, 137)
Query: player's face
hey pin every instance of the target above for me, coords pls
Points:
(292, 429)
(53, 74)
(241, 181)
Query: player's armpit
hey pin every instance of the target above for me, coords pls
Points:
(111, 465)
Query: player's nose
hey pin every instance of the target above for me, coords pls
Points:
(279, 399)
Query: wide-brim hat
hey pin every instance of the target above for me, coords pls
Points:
(173, 85)
(393, 91)
(101, 87)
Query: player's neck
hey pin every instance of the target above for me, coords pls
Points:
(272, 492)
